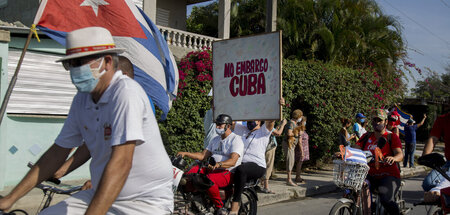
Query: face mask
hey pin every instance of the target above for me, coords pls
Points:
(220, 131)
(362, 120)
(299, 120)
(251, 125)
(84, 78)
(378, 127)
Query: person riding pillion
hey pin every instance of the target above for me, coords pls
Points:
(227, 149)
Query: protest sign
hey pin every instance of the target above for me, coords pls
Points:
(247, 77)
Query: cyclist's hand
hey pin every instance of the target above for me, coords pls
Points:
(5, 204)
(389, 160)
(87, 185)
(431, 196)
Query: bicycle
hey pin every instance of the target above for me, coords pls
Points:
(49, 187)
(350, 176)
(49, 191)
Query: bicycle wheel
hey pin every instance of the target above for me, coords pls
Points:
(249, 205)
(341, 208)
(435, 210)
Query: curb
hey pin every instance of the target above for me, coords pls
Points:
(285, 193)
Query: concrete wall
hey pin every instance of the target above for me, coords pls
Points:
(177, 8)
(19, 10)
(4, 41)
(23, 132)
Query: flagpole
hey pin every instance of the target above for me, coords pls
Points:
(14, 78)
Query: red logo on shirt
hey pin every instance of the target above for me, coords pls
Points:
(107, 131)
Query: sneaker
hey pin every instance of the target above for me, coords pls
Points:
(221, 211)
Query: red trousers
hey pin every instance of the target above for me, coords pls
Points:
(221, 178)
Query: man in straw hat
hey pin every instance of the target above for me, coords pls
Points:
(130, 170)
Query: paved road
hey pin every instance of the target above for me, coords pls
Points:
(322, 204)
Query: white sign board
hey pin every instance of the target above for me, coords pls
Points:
(247, 77)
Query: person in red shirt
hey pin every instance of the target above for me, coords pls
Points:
(441, 129)
(386, 178)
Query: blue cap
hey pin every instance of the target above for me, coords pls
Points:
(360, 115)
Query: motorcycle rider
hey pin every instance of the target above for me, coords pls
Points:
(227, 149)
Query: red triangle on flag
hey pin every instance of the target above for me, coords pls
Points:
(114, 15)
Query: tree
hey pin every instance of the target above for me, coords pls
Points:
(350, 33)
(435, 87)
(204, 20)
(344, 32)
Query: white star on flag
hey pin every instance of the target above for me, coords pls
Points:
(94, 4)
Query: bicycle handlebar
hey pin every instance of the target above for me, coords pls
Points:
(58, 190)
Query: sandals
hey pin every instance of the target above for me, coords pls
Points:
(264, 190)
(290, 183)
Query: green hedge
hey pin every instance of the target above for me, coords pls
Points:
(325, 93)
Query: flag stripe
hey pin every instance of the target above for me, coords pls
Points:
(155, 66)
(403, 119)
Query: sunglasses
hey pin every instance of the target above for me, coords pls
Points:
(76, 62)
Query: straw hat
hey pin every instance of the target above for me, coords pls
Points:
(89, 41)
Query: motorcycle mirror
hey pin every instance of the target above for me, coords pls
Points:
(433, 160)
(211, 161)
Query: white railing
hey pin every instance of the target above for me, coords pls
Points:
(186, 39)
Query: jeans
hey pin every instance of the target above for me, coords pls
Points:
(434, 178)
(410, 149)
(387, 188)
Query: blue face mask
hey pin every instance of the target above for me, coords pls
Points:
(84, 78)
(362, 120)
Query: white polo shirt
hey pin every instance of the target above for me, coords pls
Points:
(221, 149)
(255, 143)
(122, 114)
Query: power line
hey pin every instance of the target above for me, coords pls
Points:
(420, 25)
(443, 2)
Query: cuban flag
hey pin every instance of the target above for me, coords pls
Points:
(403, 119)
(154, 65)
(351, 154)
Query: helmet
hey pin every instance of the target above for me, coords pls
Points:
(224, 119)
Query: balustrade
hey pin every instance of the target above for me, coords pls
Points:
(186, 39)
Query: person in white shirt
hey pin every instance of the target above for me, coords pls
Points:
(255, 135)
(130, 170)
(227, 150)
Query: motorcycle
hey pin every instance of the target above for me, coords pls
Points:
(193, 187)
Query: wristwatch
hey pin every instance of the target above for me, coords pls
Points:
(220, 164)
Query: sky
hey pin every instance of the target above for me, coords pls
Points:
(426, 30)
